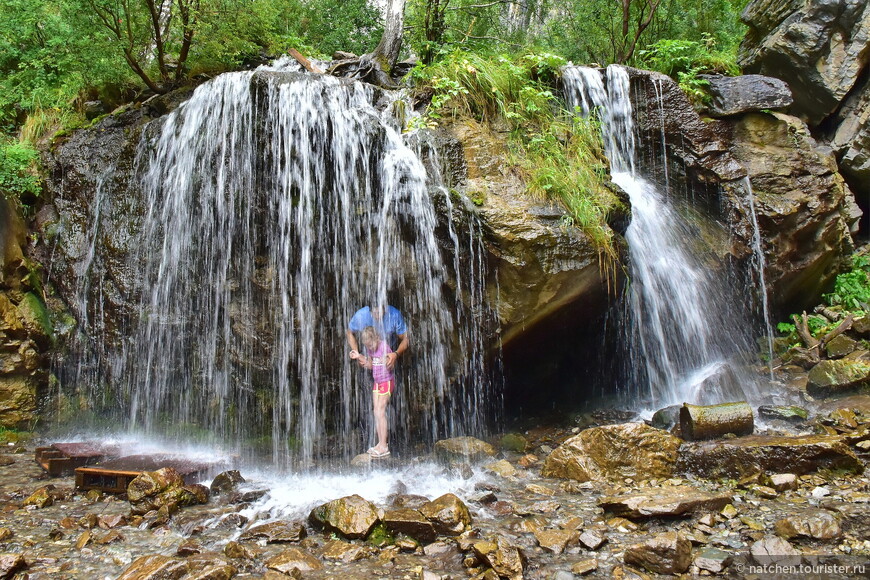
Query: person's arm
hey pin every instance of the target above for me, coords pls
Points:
(403, 346)
(354, 348)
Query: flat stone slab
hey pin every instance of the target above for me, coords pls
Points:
(672, 501)
(736, 458)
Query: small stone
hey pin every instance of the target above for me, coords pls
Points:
(10, 564)
(729, 511)
(784, 481)
(237, 550)
(84, 540)
(713, 560)
(622, 524)
(763, 491)
(813, 524)
(585, 566)
(502, 468)
(707, 520)
(820, 492)
(343, 551)
(540, 489)
(527, 461)
(293, 559)
(752, 523)
(592, 540)
(772, 549)
(111, 521)
(5, 534)
(667, 553)
(553, 541)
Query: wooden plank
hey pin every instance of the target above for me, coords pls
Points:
(115, 475)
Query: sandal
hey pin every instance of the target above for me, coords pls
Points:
(379, 454)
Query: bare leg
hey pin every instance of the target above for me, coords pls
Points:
(380, 412)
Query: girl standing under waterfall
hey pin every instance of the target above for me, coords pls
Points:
(377, 351)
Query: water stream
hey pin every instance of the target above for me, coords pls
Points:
(688, 341)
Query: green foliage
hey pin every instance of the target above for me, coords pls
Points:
(18, 178)
(559, 153)
(852, 288)
(674, 56)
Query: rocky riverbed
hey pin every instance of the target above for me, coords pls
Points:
(623, 500)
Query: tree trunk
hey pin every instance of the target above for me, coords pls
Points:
(706, 422)
(375, 67)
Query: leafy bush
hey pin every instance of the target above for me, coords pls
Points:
(559, 153)
(852, 288)
(673, 57)
(18, 180)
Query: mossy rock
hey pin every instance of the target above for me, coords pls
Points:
(36, 320)
(833, 377)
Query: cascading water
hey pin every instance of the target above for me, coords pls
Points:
(276, 204)
(686, 341)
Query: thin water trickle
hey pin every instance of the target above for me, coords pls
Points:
(760, 266)
(687, 345)
(276, 205)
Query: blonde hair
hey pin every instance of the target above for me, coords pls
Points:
(370, 334)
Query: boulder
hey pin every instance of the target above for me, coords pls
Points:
(811, 524)
(164, 490)
(463, 449)
(448, 514)
(293, 559)
(614, 451)
(411, 523)
(276, 532)
(818, 46)
(744, 94)
(669, 501)
(351, 516)
(738, 458)
(850, 140)
(834, 377)
(667, 553)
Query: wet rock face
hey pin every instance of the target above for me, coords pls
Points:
(818, 46)
(26, 333)
(834, 377)
(805, 209)
(614, 451)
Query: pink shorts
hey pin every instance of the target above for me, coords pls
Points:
(384, 388)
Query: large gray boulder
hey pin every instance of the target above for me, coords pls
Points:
(744, 94)
(819, 47)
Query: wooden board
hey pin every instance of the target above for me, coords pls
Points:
(63, 458)
(115, 475)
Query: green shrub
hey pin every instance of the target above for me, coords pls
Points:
(559, 153)
(18, 178)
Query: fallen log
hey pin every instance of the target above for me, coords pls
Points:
(301, 59)
(709, 421)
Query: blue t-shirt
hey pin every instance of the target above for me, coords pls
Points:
(388, 327)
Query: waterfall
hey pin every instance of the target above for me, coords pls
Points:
(276, 204)
(760, 265)
(687, 338)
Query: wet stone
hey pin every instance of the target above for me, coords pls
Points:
(627, 573)
(784, 481)
(275, 532)
(772, 549)
(514, 442)
(502, 468)
(713, 560)
(10, 564)
(108, 522)
(352, 516)
(154, 567)
(411, 523)
(226, 482)
(585, 566)
(239, 551)
(667, 501)
(463, 449)
(786, 413)
(189, 547)
(592, 540)
(404, 500)
(506, 560)
(293, 559)
(553, 541)
(812, 524)
(448, 514)
(343, 551)
(667, 553)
